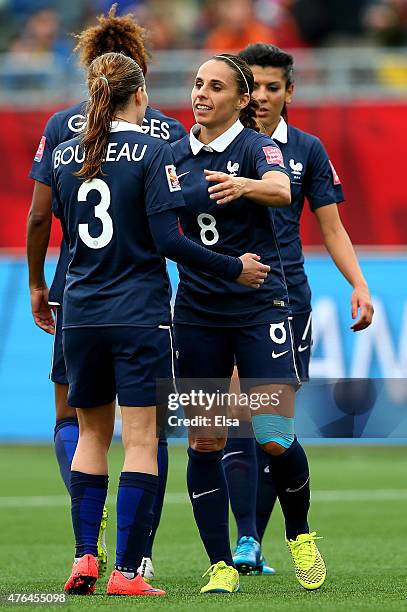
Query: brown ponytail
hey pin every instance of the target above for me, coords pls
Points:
(248, 115)
(112, 78)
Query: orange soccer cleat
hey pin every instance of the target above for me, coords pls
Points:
(84, 574)
(120, 585)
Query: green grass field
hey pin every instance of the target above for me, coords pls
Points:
(359, 506)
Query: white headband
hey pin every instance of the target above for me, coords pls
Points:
(239, 69)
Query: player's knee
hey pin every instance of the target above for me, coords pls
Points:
(207, 445)
(63, 411)
(273, 448)
(273, 432)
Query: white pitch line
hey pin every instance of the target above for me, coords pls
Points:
(337, 495)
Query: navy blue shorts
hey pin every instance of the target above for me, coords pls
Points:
(263, 353)
(103, 362)
(58, 367)
(302, 332)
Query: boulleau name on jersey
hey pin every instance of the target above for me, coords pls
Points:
(132, 154)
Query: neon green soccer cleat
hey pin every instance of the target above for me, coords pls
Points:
(222, 579)
(309, 565)
(102, 548)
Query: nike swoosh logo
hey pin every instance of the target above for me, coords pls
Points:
(230, 454)
(183, 174)
(277, 355)
(299, 488)
(196, 495)
(302, 348)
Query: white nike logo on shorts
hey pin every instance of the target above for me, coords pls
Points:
(277, 355)
(230, 454)
(299, 488)
(302, 348)
(183, 174)
(196, 495)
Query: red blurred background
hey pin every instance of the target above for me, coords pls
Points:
(367, 143)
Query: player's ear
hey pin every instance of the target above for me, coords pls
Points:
(138, 96)
(289, 94)
(243, 102)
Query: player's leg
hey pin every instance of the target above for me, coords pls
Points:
(90, 372)
(141, 356)
(273, 425)
(266, 492)
(240, 466)
(66, 432)
(206, 481)
(146, 568)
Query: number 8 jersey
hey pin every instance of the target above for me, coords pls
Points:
(232, 229)
(116, 275)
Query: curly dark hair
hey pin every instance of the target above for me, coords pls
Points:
(113, 34)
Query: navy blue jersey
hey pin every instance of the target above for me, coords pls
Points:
(236, 228)
(312, 177)
(115, 275)
(67, 124)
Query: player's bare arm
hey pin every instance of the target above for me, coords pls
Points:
(272, 190)
(340, 247)
(38, 233)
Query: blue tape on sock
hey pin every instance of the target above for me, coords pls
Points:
(273, 428)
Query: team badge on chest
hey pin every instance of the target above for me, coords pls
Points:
(233, 168)
(296, 168)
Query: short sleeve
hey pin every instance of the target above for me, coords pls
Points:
(267, 156)
(41, 168)
(55, 202)
(162, 190)
(322, 185)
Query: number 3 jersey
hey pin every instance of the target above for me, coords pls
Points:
(116, 275)
(232, 229)
(67, 124)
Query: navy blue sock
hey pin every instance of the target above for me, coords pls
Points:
(88, 496)
(66, 434)
(208, 491)
(266, 491)
(162, 460)
(240, 465)
(135, 501)
(291, 480)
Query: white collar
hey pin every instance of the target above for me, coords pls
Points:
(124, 126)
(219, 144)
(281, 132)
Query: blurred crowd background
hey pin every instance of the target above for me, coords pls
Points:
(42, 26)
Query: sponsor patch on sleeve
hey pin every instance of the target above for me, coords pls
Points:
(273, 155)
(337, 180)
(40, 150)
(172, 178)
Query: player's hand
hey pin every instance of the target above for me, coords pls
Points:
(227, 188)
(254, 273)
(41, 311)
(361, 300)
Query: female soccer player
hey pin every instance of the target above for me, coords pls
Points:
(112, 33)
(118, 197)
(227, 322)
(312, 177)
